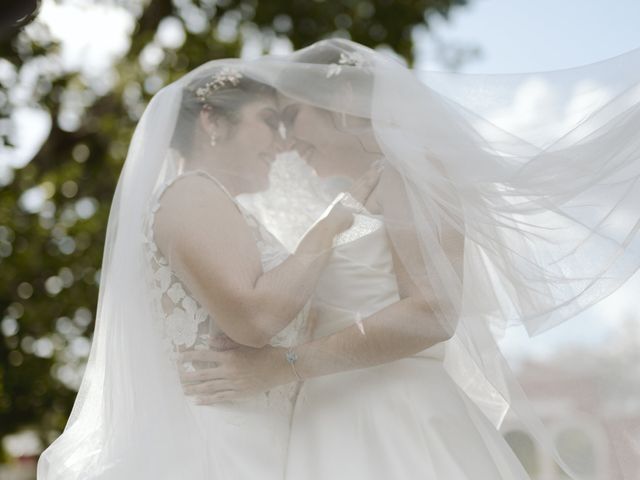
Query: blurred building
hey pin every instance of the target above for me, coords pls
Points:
(581, 396)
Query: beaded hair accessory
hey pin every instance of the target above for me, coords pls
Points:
(225, 76)
(349, 201)
(353, 59)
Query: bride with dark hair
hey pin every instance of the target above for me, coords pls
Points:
(310, 259)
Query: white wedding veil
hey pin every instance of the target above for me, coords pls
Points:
(547, 200)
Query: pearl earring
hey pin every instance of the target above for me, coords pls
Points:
(213, 139)
(282, 130)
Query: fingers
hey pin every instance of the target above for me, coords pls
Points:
(210, 387)
(216, 373)
(201, 356)
(218, 397)
(222, 343)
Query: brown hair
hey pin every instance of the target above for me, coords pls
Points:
(225, 102)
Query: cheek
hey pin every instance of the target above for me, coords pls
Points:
(262, 134)
(256, 134)
(301, 127)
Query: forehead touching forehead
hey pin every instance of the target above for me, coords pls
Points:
(284, 100)
(291, 105)
(258, 105)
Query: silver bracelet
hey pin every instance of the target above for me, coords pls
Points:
(350, 202)
(292, 358)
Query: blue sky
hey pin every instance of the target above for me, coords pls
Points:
(526, 35)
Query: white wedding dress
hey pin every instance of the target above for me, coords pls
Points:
(402, 420)
(245, 440)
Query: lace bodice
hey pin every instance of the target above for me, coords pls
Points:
(184, 322)
(296, 198)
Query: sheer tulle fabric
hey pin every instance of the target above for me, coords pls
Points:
(546, 201)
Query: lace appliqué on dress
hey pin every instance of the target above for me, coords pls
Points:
(295, 198)
(183, 322)
(362, 225)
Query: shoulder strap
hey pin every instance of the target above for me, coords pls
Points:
(207, 175)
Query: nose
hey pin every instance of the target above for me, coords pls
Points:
(284, 139)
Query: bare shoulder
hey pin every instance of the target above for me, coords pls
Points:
(194, 208)
(208, 245)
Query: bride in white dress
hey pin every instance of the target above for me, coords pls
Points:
(376, 402)
(239, 300)
(405, 418)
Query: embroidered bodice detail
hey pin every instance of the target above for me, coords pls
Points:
(184, 322)
(296, 198)
(363, 224)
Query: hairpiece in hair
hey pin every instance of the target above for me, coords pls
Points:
(354, 59)
(224, 76)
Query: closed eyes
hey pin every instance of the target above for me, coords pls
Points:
(271, 117)
(287, 115)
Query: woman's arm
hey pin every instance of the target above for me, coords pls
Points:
(214, 252)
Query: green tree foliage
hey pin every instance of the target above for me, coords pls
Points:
(54, 208)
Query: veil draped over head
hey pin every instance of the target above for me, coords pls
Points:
(542, 184)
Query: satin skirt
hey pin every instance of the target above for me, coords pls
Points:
(403, 420)
(247, 440)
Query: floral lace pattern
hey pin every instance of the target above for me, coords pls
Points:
(296, 197)
(182, 318)
(362, 225)
(354, 59)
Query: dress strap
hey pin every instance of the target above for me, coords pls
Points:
(206, 174)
